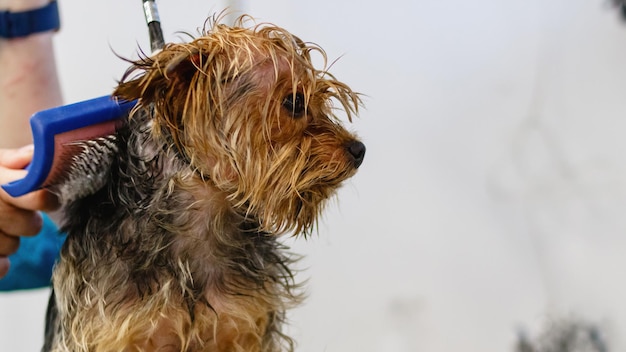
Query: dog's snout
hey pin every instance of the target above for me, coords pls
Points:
(356, 149)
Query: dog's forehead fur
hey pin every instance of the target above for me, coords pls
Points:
(209, 65)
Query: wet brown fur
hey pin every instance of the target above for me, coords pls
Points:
(234, 141)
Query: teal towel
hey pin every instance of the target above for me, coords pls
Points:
(31, 265)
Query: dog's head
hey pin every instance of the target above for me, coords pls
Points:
(250, 112)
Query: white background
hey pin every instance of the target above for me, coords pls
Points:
(493, 193)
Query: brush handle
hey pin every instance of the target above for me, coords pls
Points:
(46, 125)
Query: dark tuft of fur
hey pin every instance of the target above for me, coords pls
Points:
(565, 336)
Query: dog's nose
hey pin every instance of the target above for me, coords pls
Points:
(357, 151)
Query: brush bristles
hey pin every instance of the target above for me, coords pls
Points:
(88, 169)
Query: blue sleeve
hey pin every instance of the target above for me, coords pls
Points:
(31, 265)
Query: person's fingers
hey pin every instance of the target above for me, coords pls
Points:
(8, 244)
(16, 158)
(19, 222)
(8, 174)
(4, 266)
(38, 200)
(11, 163)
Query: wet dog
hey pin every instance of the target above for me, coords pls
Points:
(234, 141)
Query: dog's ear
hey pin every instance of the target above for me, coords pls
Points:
(181, 68)
(163, 81)
(163, 76)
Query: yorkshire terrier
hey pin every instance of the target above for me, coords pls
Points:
(233, 142)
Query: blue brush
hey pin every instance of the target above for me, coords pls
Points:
(74, 146)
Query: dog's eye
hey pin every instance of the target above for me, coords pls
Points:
(295, 104)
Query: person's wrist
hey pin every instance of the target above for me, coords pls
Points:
(23, 18)
(21, 5)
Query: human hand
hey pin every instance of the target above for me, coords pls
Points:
(19, 216)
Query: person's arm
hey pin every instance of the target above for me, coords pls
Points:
(28, 83)
(28, 78)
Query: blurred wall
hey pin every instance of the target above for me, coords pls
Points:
(492, 194)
